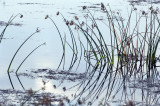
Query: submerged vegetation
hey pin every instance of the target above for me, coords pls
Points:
(119, 53)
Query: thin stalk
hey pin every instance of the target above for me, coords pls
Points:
(15, 55)
(24, 61)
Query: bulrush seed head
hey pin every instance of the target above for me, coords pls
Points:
(82, 24)
(79, 102)
(87, 29)
(64, 89)
(118, 13)
(57, 13)
(84, 7)
(93, 25)
(21, 16)
(102, 6)
(76, 18)
(135, 9)
(54, 86)
(151, 8)
(67, 23)
(37, 30)
(143, 12)
(72, 22)
(46, 16)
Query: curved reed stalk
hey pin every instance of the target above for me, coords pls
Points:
(8, 70)
(8, 23)
(24, 61)
(63, 43)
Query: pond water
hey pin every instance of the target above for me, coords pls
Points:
(40, 68)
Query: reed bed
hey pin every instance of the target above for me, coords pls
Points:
(131, 54)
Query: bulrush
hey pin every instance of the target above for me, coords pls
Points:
(46, 16)
(87, 30)
(102, 6)
(37, 30)
(84, 7)
(143, 12)
(67, 23)
(64, 89)
(57, 13)
(21, 16)
(93, 25)
(82, 24)
(150, 8)
(76, 18)
(54, 86)
(79, 102)
(135, 9)
(72, 22)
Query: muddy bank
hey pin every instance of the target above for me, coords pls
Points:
(54, 75)
(12, 97)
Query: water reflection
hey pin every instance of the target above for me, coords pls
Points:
(134, 91)
(142, 1)
(96, 82)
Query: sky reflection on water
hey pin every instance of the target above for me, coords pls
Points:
(47, 56)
